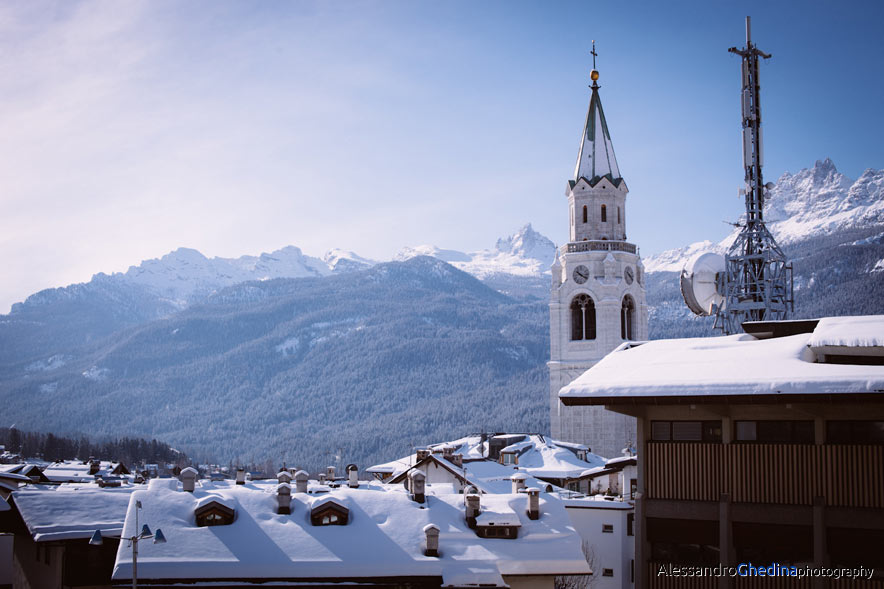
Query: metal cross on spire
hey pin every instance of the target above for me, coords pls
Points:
(593, 53)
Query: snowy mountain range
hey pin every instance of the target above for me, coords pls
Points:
(262, 352)
(818, 201)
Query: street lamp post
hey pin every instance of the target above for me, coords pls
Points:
(145, 534)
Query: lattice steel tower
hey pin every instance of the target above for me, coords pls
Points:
(757, 283)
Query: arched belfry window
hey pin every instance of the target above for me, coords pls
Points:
(582, 318)
(584, 213)
(618, 215)
(604, 214)
(627, 319)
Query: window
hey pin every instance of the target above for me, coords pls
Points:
(604, 214)
(607, 528)
(329, 513)
(214, 513)
(607, 572)
(627, 318)
(630, 524)
(618, 215)
(855, 432)
(508, 458)
(686, 431)
(633, 487)
(584, 214)
(776, 432)
(582, 318)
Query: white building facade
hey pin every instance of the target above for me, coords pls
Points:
(597, 299)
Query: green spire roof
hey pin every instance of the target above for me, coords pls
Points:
(596, 157)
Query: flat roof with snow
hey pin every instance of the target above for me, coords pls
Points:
(736, 365)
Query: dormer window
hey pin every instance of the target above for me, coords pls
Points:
(329, 512)
(214, 513)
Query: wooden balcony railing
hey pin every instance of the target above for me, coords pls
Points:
(767, 473)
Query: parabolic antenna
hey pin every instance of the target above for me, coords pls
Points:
(700, 285)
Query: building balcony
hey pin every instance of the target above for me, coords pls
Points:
(599, 246)
(846, 475)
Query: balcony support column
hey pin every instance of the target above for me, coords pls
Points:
(820, 550)
(725, 538)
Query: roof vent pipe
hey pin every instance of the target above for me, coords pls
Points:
(518, 481)
(418, 485)
(352, 476)
(284, 499)
(473, 509)
(432, 540)
(533, 503)
(301, 481)
(188, 478)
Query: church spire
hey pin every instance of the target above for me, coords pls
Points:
(596, 156)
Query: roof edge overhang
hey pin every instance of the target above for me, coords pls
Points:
(738, 399)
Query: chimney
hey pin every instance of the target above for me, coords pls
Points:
(432, 534)
(447, 452)
(284, 499)
(352, 476)
(188, 478)
(94, 466)
(418, 484)
(422, 453)
(301, 481)
(518, 481)
(240, 476)
(330, 474)
(284, 476)
(457, 460)
(533, 503)
(473, 510)
(322, 478)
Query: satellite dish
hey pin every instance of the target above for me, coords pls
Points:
(699, 283)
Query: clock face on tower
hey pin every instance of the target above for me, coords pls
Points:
(581, 274)
(628, 275)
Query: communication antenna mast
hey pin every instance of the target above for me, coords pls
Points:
(753, 282)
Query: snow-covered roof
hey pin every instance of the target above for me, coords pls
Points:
(383, 538)
(866, 331)
(545, 458)
(75, 471)
(729, 365)
(72, 510)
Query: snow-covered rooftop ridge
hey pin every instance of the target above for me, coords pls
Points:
(721, 366)
(815, 201)
(863, 331)
(384, 537)
(545, 458)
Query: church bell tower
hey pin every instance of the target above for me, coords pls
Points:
(597, 299)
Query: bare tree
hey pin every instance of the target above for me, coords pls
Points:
(581, 581)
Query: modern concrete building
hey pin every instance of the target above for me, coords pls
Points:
(765, 447)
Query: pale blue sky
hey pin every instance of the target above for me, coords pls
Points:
(132, 128)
